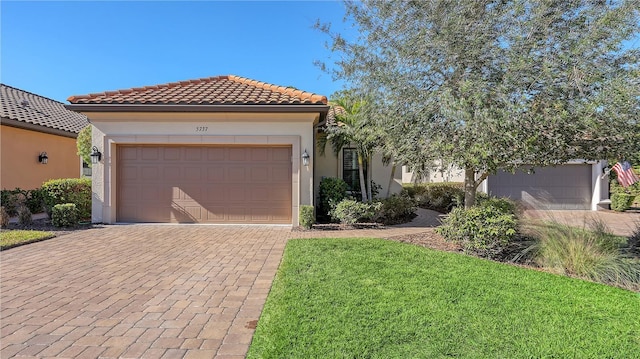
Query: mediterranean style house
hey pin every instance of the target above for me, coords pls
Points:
(228, 149)
(222, 149)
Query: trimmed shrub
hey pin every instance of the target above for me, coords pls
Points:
(397, 209)
(306, 216)
(4, 217)
(621, 201)
(482, 231)
(69, 190)
(441, 197)
(13, 199)
(332, 191)
(35, 200)
(64, 215)
(502, 204)
(350, 211)
(24, 216)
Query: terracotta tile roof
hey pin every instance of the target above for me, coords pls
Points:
(219, 90)
(29, 108)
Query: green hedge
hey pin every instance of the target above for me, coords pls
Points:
(440, 196)
(621, 201)
(306, 216)
(485, 231)
(64, 215)
(69, 190)
(350, 211)
(13, 199)
(332, 191)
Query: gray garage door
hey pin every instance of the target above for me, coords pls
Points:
(562, 187)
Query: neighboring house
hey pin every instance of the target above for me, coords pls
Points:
(221, 149)
(449, 174)
(575, 185)
(33, 128)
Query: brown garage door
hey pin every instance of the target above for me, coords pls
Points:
(204, 184)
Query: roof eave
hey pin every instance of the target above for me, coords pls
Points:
(80, 107)
(38, 128)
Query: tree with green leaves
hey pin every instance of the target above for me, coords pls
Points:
(349, 127)
(83, 143)
(496, 84)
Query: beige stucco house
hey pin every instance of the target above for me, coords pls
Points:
(33, 128)
(222, 149)
(576, 185)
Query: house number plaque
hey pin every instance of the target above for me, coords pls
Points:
(202, 129)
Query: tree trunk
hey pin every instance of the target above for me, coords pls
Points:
(369, 179)
(363, 187)
(469, 187)
(393, 174)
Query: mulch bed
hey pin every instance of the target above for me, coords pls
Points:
(339, 227)
(45, 225)
(428, 239)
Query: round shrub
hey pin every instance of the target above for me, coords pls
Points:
(64, 215)
(24, 216)
(502, 204)
(397, 209)
(483, 231)
(350, 211)
(621, 201)
(441, 197)
(35, 200)
(69, 190)
(306, 216)
(332, 191)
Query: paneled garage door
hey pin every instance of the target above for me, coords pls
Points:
(204, 184)
(562, 187)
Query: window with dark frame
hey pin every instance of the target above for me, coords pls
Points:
(350, 169)
(86, 169)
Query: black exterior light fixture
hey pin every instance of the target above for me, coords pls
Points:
(305, 158)
(96, 155)
(43, 158)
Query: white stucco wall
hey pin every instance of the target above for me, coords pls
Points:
(449, 174)
(112, 129)
(330, 165)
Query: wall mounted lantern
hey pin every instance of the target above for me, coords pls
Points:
(43, 158)
(96, 155)
(305, 158)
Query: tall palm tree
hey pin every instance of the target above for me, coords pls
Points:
(348, 127)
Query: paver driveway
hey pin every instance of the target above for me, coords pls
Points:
(138, 291)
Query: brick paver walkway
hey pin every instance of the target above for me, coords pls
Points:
(619, 223)
(144, 291)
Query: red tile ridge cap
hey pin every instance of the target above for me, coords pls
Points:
(146, 88)
(302, 95)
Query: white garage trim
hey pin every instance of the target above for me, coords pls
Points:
(105, 211)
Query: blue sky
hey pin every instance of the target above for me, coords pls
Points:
(58, 49)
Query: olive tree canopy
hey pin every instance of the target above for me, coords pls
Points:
(496, 84)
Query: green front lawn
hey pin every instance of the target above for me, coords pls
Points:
(14, 238)
(339, 298)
